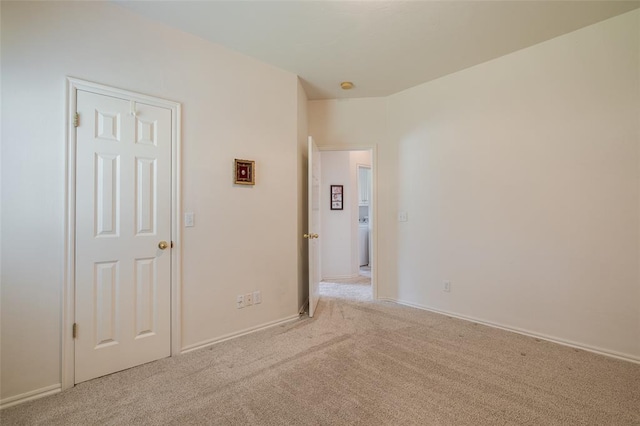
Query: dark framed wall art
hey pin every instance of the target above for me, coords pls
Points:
(245, 172)
(337, 197)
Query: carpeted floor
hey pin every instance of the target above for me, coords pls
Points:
(358, 362)
(358, 288)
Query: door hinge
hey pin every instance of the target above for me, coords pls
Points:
(76, 120)
(74, 330)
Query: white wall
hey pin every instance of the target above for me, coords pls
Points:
(336, 240)
(521, 178)
(233, 107)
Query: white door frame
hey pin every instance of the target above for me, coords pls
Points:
(68, 296)
(373, 204)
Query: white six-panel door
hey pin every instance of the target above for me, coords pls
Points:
(123, 213)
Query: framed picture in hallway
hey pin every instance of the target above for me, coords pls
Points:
(245, 172)
(336, 197)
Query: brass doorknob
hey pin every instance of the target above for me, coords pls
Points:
(163, 245)
(314, 235)
(307, 236)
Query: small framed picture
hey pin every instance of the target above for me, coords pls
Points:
(336, 197)
(245, 172)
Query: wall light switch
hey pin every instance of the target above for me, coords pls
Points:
(189, 219)
(403, 216)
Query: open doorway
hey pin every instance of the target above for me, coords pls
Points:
(346, 245)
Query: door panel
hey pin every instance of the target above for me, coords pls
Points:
(145, 190)
(107, 188)
(123, 210)
(146, 300)
(106, 303)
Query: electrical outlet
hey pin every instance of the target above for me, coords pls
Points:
(240, 301)
(447, 286)
(403, 216)
(257, 297)
(248, 299)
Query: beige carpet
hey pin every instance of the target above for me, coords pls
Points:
(359, 288)
(359, 362)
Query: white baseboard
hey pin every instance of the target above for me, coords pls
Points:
(553, 339)
(28, 396)
(340, 277)
(230, 336)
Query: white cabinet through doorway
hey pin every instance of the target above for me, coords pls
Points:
(364, 185)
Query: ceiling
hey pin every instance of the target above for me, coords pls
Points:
(383, 47)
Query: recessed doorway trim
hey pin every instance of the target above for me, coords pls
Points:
(373, 204)
(68, 296)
